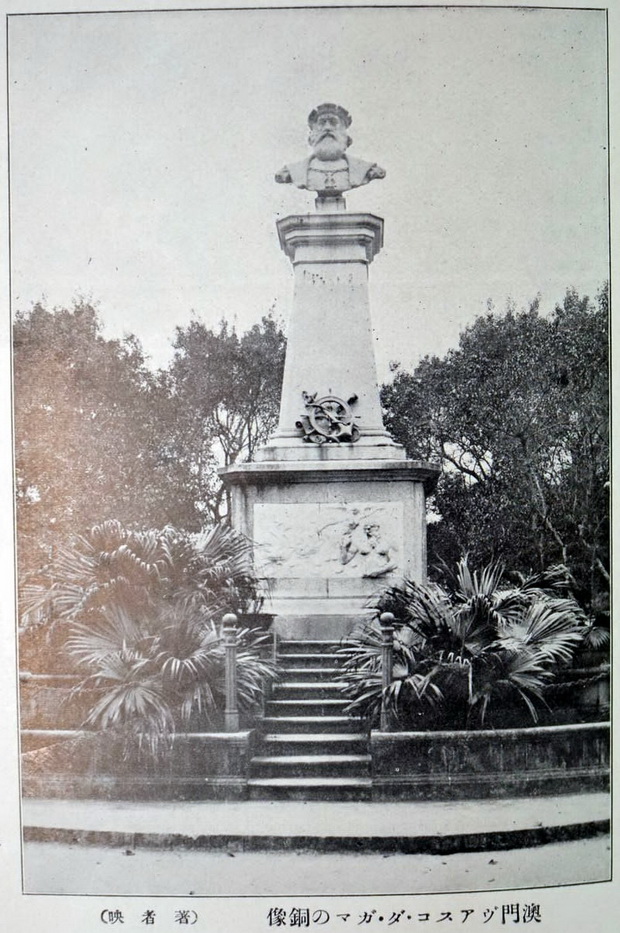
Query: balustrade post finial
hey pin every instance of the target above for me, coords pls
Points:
(386, 621)
(231, 710)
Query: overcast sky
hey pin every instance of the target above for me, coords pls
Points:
(143, 149)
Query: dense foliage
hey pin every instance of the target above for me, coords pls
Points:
(86, 432)
(99, 436)
(518, 417)
(225, 395)
(140, 611)
(481, 654)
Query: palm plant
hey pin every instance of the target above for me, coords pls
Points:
(481, 654)
(141, 609)
(113, 563)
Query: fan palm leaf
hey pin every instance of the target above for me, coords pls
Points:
(103, 633)
(483, 583)
(480, 649)
(130, 695)
(552, 627)
(140, 606)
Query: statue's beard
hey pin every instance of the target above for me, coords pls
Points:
(328, 148)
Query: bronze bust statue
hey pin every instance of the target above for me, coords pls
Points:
(329, 170)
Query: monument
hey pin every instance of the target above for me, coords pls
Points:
(335, 509)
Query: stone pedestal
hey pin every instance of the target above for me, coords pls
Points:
(328, 536)
(333, 524)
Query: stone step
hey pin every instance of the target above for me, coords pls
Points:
(323, 788)
(305, 707)
(328, 659)
(308, 690)
(310, 766)
(286, 649)
(316, 742)
(308, 723)
(309, 684)
(311, 701)
(308, 748)
(310, 674)
(328, 760)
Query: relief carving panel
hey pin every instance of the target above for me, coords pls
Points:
(309, 539)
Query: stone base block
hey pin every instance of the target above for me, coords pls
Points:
(329, 536)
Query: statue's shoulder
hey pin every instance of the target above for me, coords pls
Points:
(361, 172)
(357, 165)
(296, 173)
(299, 172)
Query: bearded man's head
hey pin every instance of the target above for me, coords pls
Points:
(328, 132)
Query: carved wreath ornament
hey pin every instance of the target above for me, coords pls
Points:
(328, 420)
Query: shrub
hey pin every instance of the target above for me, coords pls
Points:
(141, 610)
(478, 655)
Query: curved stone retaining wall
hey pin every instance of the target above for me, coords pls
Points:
(405, 765)
(489, 763)
(200, 765)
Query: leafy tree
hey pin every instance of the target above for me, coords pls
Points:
(99, 436)
(518, 416)
(225, 394)
(88, 416)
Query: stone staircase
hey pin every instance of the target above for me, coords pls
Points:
(309, 749)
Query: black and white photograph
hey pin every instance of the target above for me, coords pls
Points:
(310, 377)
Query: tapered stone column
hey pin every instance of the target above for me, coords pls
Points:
(330, 346)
